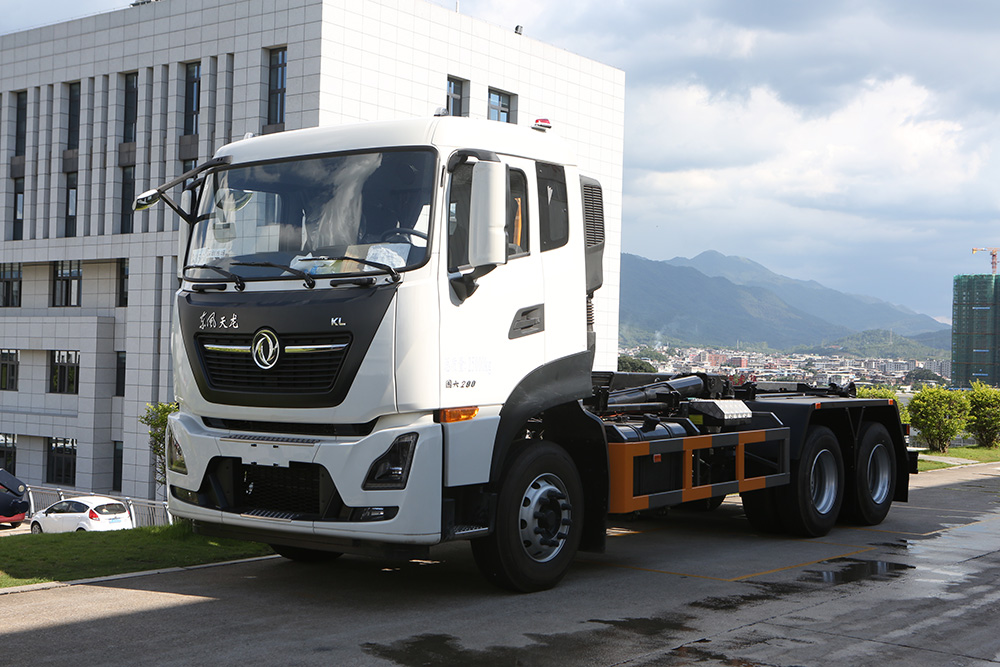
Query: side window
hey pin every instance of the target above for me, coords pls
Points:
(517, 215)
(553, 206)
(458, 216)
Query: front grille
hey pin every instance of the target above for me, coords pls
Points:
(295, 372)
(280, 491)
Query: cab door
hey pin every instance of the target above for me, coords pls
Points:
(493, 320)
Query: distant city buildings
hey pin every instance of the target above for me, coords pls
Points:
(810, 368)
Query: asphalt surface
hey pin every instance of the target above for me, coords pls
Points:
(689, 589)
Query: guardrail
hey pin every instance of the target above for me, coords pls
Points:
(144, 512)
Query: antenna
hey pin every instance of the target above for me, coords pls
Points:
(993, 255)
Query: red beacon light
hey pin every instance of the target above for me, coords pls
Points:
(542, 124)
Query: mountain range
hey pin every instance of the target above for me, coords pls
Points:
(716, 299)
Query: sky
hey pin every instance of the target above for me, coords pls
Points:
(851, 142)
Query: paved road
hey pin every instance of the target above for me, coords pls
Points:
(691, 589)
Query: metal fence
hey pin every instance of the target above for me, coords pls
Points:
(144, 512)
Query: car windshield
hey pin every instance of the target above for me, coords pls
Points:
(314, 216)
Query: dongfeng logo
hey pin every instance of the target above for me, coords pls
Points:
(265, 349)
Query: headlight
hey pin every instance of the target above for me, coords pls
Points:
(175, 455)
(391, 470)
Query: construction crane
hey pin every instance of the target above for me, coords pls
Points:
(993, 255)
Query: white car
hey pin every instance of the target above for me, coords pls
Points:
(82, 513)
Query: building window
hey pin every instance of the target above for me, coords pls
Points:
(21, 123)
(456, 95)
(8, 452)
(553, 206)
(116, 478)
(66, 284)
(122, 283)
(276, 86)
(64, 371)
(501, 106)
(17, 230)
(73, 131)
(61, 468)
(192, 97)
(10, 285)
(120, 374)
(71, 204)
(9, 362)
(129, 122)
(128, 197)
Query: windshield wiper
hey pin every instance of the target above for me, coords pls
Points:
(393, 273)
(240, 283)
(310, 281)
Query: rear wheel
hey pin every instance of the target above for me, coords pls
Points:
(538, 523)
(810, 504)
(36, 529)
(873, 484)
(305, 555)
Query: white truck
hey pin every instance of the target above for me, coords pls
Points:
(383, 340)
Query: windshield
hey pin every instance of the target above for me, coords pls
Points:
(315, 216)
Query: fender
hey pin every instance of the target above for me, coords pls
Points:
(562, 381)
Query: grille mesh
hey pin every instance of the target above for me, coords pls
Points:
(310, 373)
(593, 214)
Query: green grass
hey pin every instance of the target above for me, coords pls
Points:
(979, 454)
(33, 559)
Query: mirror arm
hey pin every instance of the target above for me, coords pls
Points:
(458, 157)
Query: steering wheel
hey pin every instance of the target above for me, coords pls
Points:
(402, 231)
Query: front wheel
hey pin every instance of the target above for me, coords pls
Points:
(810, 504)
(15, 524)
(870, 491)
(36, 529)
(538, 522)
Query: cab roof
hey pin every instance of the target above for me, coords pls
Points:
(446, 132)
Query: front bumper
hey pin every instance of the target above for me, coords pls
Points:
(306, 490)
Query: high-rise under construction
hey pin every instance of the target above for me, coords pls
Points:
(974, 330)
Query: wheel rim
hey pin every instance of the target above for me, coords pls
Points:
(879, 473)
(823, 481)
(544, 517)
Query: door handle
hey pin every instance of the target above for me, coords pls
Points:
(527, 321)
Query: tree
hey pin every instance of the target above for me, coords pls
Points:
(156, 419)
(627, 364)
(940, 415)
(881, 391)
(984, 414)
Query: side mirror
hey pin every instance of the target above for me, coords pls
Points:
(487, 214)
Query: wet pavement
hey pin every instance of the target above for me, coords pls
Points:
(689, 589)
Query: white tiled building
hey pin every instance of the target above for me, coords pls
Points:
(96, 109)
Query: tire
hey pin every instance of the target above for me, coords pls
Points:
(761, 511)
(810, 504)
(81, 530)
(16, 524)
(303, 555)
(539, 520)
(36, 529)
(873, 484)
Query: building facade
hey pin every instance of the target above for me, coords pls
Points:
(94, 110)
(975, 330)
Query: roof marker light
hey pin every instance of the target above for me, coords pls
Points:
(542, 124)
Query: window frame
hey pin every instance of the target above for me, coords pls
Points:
(8, 452)
(64, 372)
(72, 190)
(73, 116)
(130, 119)
(60, 461)
(192, 97)
(67, 284)
(503, 108)
(10, 363)
(10, 285)
(126, 222)
(277, 85)
(20, 123)
(455, 97)
(17, 221)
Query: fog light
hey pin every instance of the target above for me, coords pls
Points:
(175, 455)
(185, 495)
(374, 513)
(391, 470)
